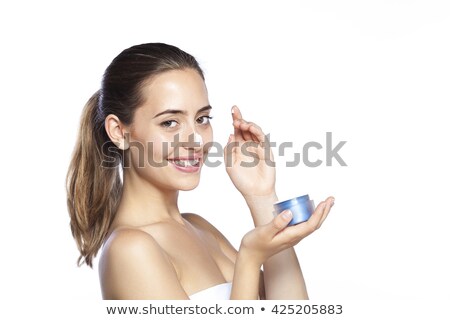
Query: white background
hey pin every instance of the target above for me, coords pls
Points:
(374, 73)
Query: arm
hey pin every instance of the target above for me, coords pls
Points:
(283, 277)
(246, 277)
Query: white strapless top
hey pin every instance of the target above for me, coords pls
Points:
(219, 292)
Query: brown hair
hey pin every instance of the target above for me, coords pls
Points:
(94, 186)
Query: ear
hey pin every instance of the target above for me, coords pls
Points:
(116, 131)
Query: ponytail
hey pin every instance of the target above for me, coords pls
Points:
(93, 190)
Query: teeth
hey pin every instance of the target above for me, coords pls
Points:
(185, 163)
(180, 163)
(193, 162)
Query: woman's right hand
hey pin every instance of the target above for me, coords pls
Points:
(264, 241)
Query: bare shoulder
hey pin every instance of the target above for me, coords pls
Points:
(131, 239)
(134, 266)
(198, 220)
(126, 243)
(202, 224)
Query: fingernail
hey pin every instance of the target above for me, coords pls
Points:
(232, 109)
(287, 215)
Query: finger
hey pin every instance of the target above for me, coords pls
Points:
(294, 234)
(256, 131)
(243, 126)
(279, 223)
(304, 229)
(263, 141)
(229, 150)
(249, 129)
(314, 221)
(236, 115)
(256, 134)
(230, 138)
(330, 203)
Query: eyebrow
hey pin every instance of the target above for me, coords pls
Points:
(176, 111)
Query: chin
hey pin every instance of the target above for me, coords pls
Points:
(187, 185)
(187, 188)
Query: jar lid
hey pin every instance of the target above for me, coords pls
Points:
(283, 205)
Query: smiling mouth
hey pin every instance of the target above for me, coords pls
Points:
(190, 163)
(185, 163)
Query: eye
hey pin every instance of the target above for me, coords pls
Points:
(204, 119)
(169, 124)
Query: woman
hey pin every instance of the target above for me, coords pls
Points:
(151, 119)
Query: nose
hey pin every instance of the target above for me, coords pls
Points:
(198, 138)
(190, 139)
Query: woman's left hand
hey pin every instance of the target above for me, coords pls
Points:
(248, 158)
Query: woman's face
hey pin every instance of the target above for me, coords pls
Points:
(171, 129)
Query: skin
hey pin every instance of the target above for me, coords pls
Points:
(152, 250)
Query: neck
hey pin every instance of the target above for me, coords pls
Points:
(143, 203)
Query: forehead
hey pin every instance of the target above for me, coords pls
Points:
(175, 89)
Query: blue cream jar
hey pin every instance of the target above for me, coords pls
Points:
(301, 207)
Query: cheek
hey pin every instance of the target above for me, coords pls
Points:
(159, 147)
(207, 135)
(151, 149)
